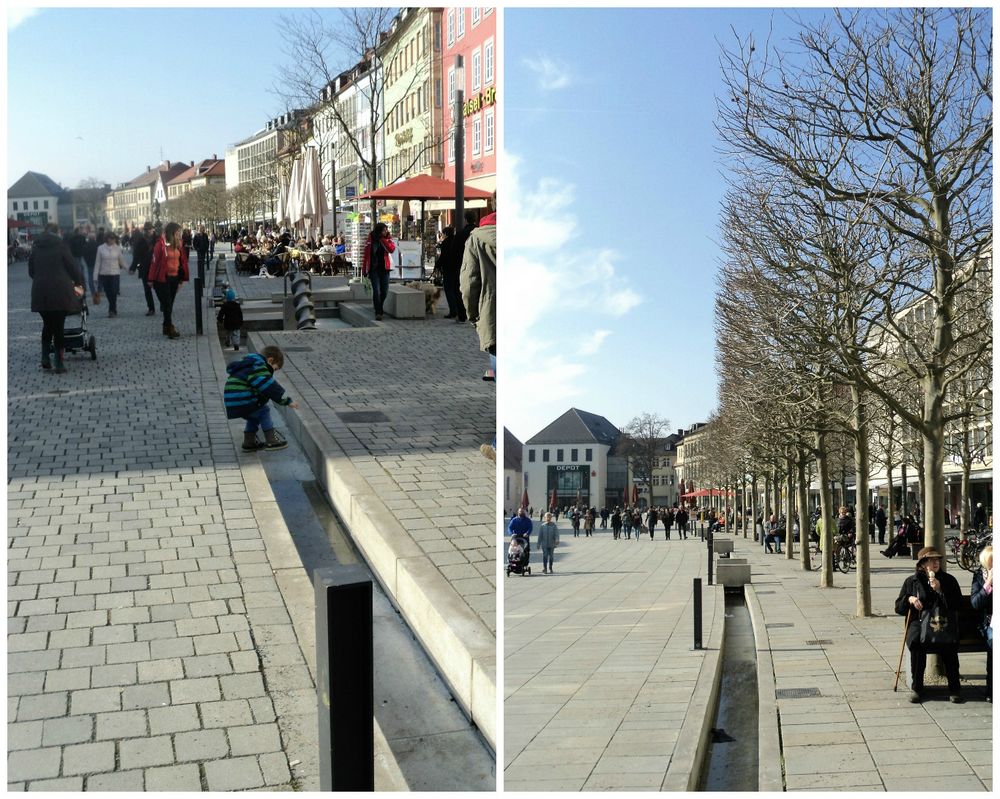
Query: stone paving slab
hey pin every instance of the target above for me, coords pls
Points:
(602, 687)
(414, 491)
(857, 734)
(134, 593)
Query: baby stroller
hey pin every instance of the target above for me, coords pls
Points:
(518, 564)
(75, 336)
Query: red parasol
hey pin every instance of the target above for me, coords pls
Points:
(524, 499)
(424, 187)
(635, 494)
(554, 502)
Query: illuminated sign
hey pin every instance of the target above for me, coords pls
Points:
(482, 100)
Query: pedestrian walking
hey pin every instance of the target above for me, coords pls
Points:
(881, 520)
(142, 259)
(651, 519)
(89, 259)
(982, 603)
(108, 266)
(479, 292)
(521, 525)
(616, 523)
(574, 516)
(627, 523)
(201, 247)
(56, 290)
(682, 524)
(167, 272)
(548, 540)
(668, 520)
(932, 598)
(450, 265)
(376, 264)
(588, 523)
(249, 389)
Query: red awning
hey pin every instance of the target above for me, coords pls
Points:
(12, 223)
(424, 187)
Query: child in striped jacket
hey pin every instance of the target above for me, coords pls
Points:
(249, 388)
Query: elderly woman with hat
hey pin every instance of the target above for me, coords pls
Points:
(934, 593)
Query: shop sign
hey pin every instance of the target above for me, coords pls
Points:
(405, 137)
(482, 100)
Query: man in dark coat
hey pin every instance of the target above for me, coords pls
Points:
(142, 257)
(881, 520)
(56, 289)
(450, 264)
(200, 243)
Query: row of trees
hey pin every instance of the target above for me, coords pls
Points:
(854, 300)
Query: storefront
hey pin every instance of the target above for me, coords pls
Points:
(571, 484)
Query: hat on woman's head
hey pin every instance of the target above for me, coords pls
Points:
(927, 552)
(230, 295)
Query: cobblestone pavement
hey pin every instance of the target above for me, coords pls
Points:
(148, 643)
(423, 460)
(601, 682)
(854, 732)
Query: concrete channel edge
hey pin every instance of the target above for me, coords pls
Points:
(770, 773)
(455, 639)
(688, 759)
(294, 585)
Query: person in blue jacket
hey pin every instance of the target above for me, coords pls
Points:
(520, 524)
(249, 388)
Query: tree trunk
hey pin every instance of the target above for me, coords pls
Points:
(966, 496)
(789, 508)
(767, 499)
(826, 513)
(753, 504)
(933, 463)
(803, 511)
(861, 459)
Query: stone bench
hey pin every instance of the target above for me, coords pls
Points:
(402, 302)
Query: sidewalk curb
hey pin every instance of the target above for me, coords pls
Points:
(687, 763)
(461, 647)
(769, 770)
(289, 573)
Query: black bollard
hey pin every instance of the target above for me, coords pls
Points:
(710, 554)
(344, 680)
(697, 613)
(198, 321)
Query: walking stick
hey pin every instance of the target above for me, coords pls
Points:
(899, 668)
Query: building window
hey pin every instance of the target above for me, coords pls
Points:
(477, 136)
(15, 205)
(590, 455)
(437, 92)
(489, 132)
(476, 15)
(451, 86)
(451, 146)
(45, 204)
(437, 36)
(461, 22)
(451, 26)
(545, 456)
(488, 62)
(476, 65)
(35, 204)
(531, 456)
(574, 455)
(559, 456)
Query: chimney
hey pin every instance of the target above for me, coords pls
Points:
(148, 167)
(168, 165)
(192, 163)
(215, 157)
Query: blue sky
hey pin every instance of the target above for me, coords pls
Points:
(128, 81)
(609, 233)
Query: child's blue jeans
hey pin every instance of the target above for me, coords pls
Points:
(259, 418)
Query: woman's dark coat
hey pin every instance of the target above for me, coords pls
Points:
(982, 602)
(917, 585)
(53, 272)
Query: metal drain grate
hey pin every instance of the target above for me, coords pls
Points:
(363, 417)
(819, 642)
(796, 693)
(779, 624)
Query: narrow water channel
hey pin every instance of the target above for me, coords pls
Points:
(731, 762)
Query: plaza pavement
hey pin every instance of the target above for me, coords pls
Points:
(602, 691)
(412, 487)
(857, 734)
(602, 687)
(150, 646)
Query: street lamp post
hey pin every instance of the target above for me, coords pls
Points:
(459, 129)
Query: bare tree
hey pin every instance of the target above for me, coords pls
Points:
(641, 443)
(887, 114)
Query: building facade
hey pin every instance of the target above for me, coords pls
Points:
(83, 208)
(513, 478)
(471, 34)
(140, 200)
(575, 457)
(34, 199)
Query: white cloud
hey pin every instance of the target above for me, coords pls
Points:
(556, 291)
(552, 75)
(17, 15)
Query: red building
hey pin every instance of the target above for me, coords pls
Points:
(471, 33)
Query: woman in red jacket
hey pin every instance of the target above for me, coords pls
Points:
(376, 264)
(168, 271)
